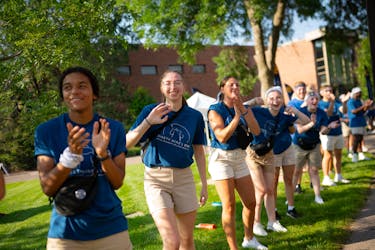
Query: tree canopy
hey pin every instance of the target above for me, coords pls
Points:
(39, 39)
(188, 25)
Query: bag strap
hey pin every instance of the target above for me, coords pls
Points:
(232, 115)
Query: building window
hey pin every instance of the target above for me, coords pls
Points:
(199, 68)
(176, 67)
(149, 70)
(124, 70)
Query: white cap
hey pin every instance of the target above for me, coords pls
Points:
(355, 90)
(311, 94)
(275, 88)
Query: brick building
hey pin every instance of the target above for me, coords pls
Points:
(308, 60)
(146, 66)
(312, 61)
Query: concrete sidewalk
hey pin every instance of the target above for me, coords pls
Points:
(363, 228)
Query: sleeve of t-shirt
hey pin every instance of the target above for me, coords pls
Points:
(41, 146)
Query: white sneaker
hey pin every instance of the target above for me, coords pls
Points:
(253, 243)
(362, 157)
(258, 229)
(355, 157)
(339, 178)
(350, 155)
(328, 182)
(276, 227)
(319, 200)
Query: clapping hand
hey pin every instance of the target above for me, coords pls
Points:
(101, 136)
(77, 138)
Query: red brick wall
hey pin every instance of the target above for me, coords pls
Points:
(296, 62)
(164, 57)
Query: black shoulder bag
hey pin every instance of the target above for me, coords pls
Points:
(267, 145)
(76, 193)
(154, 133)
(243, 135)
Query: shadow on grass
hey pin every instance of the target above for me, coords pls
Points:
(25, 229)
(24, 214)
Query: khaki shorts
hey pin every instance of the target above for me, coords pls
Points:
(119, 241)
(358, 131)
(313, 157)
(255, 161)
(226, 164)
(170, 188)
(345, 129)
(286, 158)
(332, 142)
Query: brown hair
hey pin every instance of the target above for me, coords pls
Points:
(220, 95)
(299, 84)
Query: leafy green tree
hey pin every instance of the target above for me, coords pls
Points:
(346, 23)
(114, 100)
(140, 98)
(364, 64)
(39, 39)
(189, 25)
(238, 67)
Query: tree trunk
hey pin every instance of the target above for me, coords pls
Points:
(265, 59)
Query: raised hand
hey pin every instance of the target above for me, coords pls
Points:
(100, 138)
(77, 138)
(158, 115)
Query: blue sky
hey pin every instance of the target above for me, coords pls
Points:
(300, 29)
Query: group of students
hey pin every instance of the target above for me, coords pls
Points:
(174, 137)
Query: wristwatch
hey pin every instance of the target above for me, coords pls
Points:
(109, 155)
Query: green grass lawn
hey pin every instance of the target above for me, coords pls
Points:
(320, 227)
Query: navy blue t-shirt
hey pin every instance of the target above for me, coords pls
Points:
(312, 135)
(336, 114)
(358, 119)
(227, 116)
(173, 146)
(276, 126)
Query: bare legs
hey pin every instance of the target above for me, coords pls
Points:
(245, 189)
(176, 230)
(264, 189)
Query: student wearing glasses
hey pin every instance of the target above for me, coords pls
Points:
(174, 133)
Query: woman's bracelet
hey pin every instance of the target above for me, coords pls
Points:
(245, 113)
(148, 121)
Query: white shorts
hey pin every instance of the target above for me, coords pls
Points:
(332, 142)
(358, 131)
(226, 164)
(286, 158)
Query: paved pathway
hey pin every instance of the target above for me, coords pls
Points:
(363, 228)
